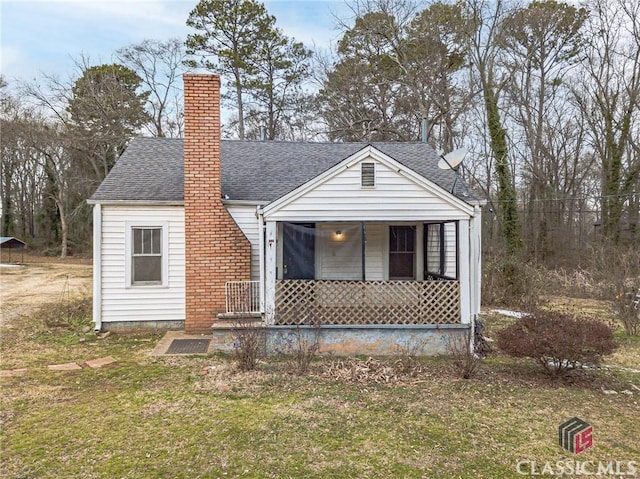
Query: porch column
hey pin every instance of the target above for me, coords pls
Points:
(465, 280)
(97, 266)
(270, 271)
(419, 245)
(261, 252)
(476, 253)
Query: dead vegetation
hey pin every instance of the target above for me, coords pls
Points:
(300, 348)
(465, 356)
(341, 415)
(248, 344)
(558, 341)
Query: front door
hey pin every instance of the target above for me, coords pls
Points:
(298, 251)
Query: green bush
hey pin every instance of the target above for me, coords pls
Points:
(557, 341)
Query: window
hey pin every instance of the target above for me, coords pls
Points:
(402, 242)
(440, 250)
(434, 257)
(146, 255)
(368, 174)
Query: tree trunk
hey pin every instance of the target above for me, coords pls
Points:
(63, 227)
(510, 226)
(240, 105)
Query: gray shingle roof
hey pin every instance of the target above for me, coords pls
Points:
(151, 169)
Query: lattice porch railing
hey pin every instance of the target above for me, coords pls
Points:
(367, 302)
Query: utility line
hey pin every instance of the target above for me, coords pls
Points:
(576, 198)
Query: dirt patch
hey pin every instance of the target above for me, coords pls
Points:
(27, 287)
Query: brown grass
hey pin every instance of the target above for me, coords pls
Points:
(199, 416)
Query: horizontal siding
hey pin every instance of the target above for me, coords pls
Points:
(375, 251)
(339, 257)
(450, 252)
(394, 198)
(122, 303)
(245, 217)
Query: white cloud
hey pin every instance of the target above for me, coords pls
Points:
(9, 56)
(47, 36)
(50, 35)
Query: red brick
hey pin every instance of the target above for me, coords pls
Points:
(216, 249)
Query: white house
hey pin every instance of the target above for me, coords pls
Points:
(365, 240)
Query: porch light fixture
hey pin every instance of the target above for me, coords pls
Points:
(339, 233)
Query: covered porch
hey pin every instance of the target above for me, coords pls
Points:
(370, 242)
(365, 273)
(370, 252)
(361, 273)
(374, 287)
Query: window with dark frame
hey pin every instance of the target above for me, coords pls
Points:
(435, 250)
(402, 248)
(146, 252)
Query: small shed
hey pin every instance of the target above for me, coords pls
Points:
(9, 243)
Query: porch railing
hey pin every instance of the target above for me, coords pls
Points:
(242, 296)
(367, 302)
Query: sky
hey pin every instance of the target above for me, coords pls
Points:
(49, 36)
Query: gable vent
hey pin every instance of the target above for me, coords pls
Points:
(368, 174)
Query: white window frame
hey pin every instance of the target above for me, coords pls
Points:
(164, 251)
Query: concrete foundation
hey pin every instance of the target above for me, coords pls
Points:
(374, 340)
(133, 326)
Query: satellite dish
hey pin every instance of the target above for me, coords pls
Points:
(452, 160)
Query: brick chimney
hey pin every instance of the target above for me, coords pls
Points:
(216, 250)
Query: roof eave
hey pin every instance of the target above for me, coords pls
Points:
(136, 202)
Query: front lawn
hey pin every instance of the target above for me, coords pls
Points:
(191, 417)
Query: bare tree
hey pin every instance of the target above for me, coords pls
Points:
(487, 17)
(539, 44)
(608, 95)
(22, 179)
(159, 64)
(84, 127)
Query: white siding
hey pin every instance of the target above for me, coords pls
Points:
(339, 257)
(375, 251)
(245, 217)
(141, 303)
(394, 198)
(450, 252)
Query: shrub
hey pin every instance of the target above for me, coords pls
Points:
(465, 360)
(301, 345)
(628, 311)
(409, 357)
(617, 268)
(558, 341)
(249, 344)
